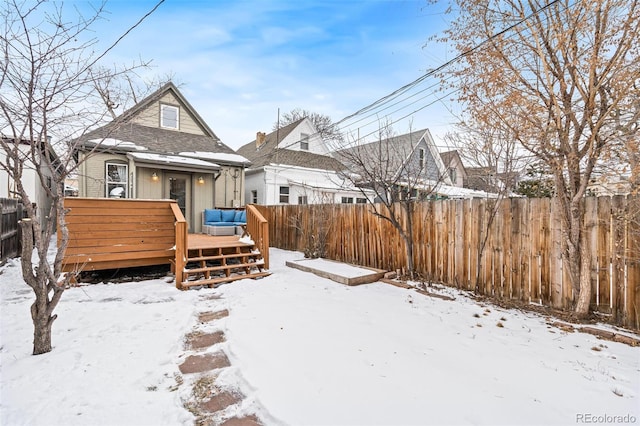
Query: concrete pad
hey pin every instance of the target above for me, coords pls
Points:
(343, 273)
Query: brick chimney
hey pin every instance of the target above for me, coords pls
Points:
(260, 138)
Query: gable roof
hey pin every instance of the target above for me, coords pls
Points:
(158, 94)
(269, 153)
(124, 135)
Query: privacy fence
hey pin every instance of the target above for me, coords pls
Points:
(521, 259)
(12, 212)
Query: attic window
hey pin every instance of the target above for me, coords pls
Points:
(169, 116)
(304, 142)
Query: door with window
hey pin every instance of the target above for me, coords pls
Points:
(178, 187)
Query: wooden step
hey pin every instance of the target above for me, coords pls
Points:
(211, 282)
(192, 271)
(224, 256)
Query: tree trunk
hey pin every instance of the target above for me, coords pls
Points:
(584, 295)
(42, 323)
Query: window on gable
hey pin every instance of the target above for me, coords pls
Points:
(284, 194)
(116, 178)
(453, 175)
(421, 157)
(304, 142)
(169, 116)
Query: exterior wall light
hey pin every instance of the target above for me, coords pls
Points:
(200, 180)
(154, 177)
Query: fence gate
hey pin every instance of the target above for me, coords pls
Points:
(9, 229)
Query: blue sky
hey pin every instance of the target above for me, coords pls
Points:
(237, 62)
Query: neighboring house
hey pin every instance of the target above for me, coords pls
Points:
(488, 180)
(31, 182)
(160, 149)
(455, 167)
(292, 165)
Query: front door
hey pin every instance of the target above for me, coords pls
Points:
(179, 188)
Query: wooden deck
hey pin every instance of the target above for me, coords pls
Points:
(122, 233)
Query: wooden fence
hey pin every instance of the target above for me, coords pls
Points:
(522, 258)
(12, 212)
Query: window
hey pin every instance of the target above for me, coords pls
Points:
(169, 116)
(304, 141)
(254, 197)
(116, 178)
(284, 194)
(303, 199)
(347, 200)
(453, 175)
(361, 201)
(421, 157)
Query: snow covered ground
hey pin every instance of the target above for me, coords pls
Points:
(305, 350)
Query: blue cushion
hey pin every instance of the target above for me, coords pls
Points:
(241, 217)
(212, 215)
(228, 215)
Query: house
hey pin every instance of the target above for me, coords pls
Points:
(36, 189)
(407, 165)
(487, 179)
(161, 148)
(455, 166)
(293, 165)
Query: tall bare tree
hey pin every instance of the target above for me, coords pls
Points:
(396, 171)
(489, 149)
(49, 79)
(555, 75)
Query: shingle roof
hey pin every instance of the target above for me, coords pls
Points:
(396, 150)
(157, 139)
(268, 153)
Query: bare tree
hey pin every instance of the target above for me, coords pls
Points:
(492, 150)
(49, 81)
(397, 171)
(553, 75)
(324, 125)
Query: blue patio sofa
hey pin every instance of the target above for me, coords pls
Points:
(223, 221)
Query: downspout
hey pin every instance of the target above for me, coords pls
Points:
(215, 179)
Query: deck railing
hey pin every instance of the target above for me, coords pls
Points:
(182, 249)
(258, 229)
(114, 233)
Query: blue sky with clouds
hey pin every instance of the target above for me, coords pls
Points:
(237, 62)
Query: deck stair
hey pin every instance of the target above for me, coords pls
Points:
(226, 261)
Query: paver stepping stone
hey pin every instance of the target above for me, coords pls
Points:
(206, 362)
(251, 420)
(221, 401)
(212, 316)
(204, 340)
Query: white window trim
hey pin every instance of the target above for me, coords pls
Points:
(122, 183)
(162, 123)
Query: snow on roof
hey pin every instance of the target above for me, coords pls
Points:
(117, 143)
(172, 159)
(458, 192)
(217, 156)
(452, 191)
